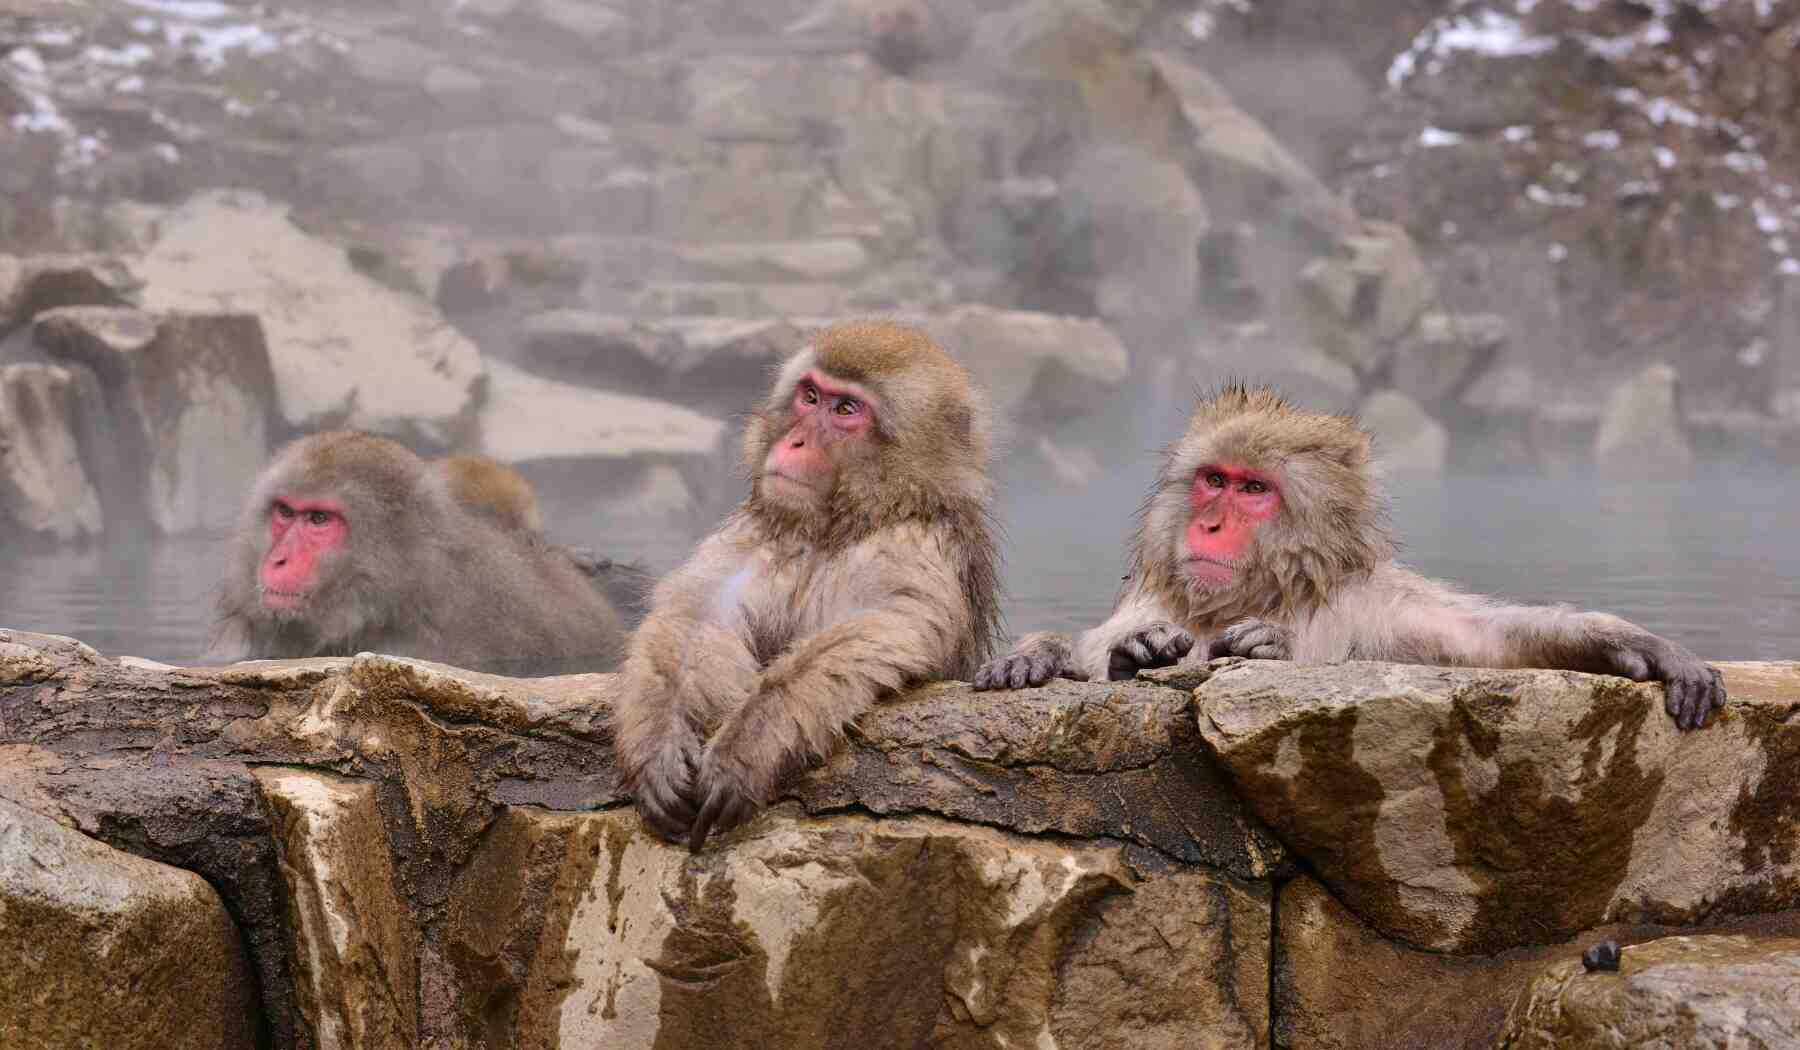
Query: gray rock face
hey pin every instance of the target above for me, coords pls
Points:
(1408, 441)
(1641, 429)
(100, 948)
(45, 489)
(1703, 991)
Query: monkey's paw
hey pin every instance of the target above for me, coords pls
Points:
(666, 796)
(732, 790)
(1694, 689)
(1158, 645)
(1256, 639)
(1017, 670)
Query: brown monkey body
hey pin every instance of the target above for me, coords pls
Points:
(860, 564)
(493, 490)
(1264, 538)
(349, 542)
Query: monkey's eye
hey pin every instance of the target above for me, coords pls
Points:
(1255, 487)
(1215, 480)
(283, 511)
(809, 395)
(849, 406)
(317, 517)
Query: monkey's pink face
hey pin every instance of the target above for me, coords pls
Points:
(301, 534)
(1229, 504)
(827, 418)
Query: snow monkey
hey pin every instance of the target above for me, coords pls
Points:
(1264, 538)
(350, 542)
(859, 564)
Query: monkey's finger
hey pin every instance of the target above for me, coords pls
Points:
(709, 815)
(1175, 643)
(1718, 687)
(1220, 646)
(984, 678)
(1018, 674)
(1042, 671)
(1267, 652)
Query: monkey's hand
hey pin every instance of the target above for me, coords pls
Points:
(1037, 659)
(1256, 639)
(666, 795)
(1694, 688)
(1153, 645)
(731, 788)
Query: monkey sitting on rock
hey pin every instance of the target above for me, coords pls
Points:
(860, 564)
(1263, 538)
(350, 542)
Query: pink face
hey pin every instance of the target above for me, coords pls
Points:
(301, 532)
(1229, 504)
(829, 416)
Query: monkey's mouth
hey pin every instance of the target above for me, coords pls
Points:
(278, 600)
(1209, 572)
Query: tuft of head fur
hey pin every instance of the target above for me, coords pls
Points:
(925, 460)
(1330, 528)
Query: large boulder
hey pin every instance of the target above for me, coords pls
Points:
(45, 489)
(191, 398)
(1464, 810)
(37, 283)
(1408, 441)
(100, 948)
(345, 350)
(1038, 368)
(1701, 991)
(1641, 431)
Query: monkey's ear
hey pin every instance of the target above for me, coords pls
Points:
(1354, 452)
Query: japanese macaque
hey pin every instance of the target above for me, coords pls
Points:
(350, 542)
(860, 564)
(1264, 539)
(493, 490)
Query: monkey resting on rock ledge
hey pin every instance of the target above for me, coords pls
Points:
(860, 564)
(1263, 538)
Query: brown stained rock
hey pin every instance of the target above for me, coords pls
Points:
(847, 932)
(100, 948)
(1339, 985)
(1679, 992)
(1474, 811)
(354, 952)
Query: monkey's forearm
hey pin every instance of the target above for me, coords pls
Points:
(1094, 652)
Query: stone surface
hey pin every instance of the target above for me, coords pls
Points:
(1036, 367)
(808, 933)
(345, 350)
(1472, 810)
(1444, 354)
(1678, 992)
(1408, 441)
(354, 952)
(528, 418)
(37, 283)
(100, 948)
(1641, 430)
(191, 396)
(45, 489)
(1341, 986)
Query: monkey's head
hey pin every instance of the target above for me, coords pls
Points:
(324, 532)
(868, 424)
(1262, 507)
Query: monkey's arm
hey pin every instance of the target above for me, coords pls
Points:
(1399, 615)
(683, 673)
(809, 693)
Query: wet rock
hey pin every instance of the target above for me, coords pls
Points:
(100, 948)
(1408, 441)
(1339, 985)
(191, 397)
(45, 489)
(1444, 353)
(31, 285)
(345, 351)
(793, 935)
(1474, 811)
(598, 349)
(354, 951)
(1710, 991)
(1037, 367)
(1641, 431)
(528, 418)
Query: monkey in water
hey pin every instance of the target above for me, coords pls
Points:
(1264, 538)
(350, 542)
(860, 563)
